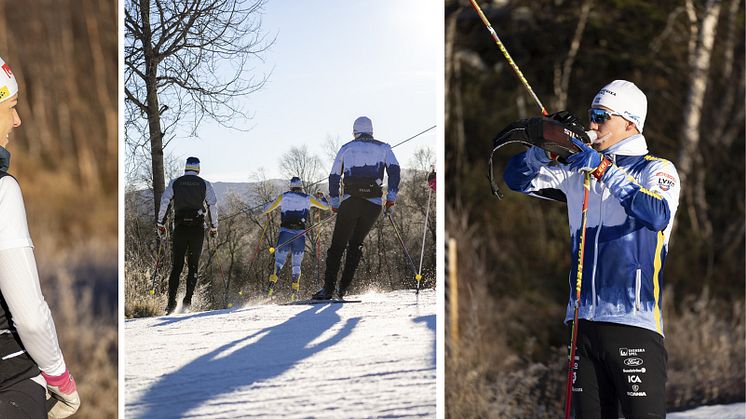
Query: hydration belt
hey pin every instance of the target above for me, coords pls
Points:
(293, 224)
(362, 187)
(189, 217)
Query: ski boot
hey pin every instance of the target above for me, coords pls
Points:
(341, 293)
(272, 283)
(323, 294)
(295, 285)
(170, 308)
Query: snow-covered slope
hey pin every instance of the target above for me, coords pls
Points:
(369, 359)
(728, 411)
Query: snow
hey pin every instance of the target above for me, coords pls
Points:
(729, 411)
(370, 359)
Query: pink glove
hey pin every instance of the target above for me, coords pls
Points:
(63, 389)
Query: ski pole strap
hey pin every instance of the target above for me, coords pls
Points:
(503, 140)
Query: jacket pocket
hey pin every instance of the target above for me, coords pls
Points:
(638, 279)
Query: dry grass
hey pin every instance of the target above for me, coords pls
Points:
(74, 234)
(503, 368)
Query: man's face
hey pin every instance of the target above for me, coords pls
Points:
(9, 119)
(612, 130)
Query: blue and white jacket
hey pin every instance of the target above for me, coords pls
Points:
(630, 217)
(365, 157)
(294, 208)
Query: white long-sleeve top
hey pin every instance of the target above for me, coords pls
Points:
(19, 283)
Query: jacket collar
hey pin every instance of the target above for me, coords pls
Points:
(630, 146)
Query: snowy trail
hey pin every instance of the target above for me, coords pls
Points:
(369, 359)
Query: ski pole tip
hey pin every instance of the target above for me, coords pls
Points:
(271, 250)
(418, 277)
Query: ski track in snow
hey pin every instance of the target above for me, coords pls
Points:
(370, 359)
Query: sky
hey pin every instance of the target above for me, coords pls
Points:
(333, 60)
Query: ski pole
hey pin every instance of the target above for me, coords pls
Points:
(222, 274)
(286, 242)
(578, 284)
(157, 265)
(424, 233)
(508, 57)
(586, 188)
(404, 247)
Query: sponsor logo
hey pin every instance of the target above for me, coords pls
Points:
(635, 387)
(7, 71)
(637, 394)
(607, 91)
(630, 351)
(577, 389)
(633, 379)
(4, 92)
(633, 362)
(634, 370)
(665, 181)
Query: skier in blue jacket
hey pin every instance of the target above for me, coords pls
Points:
(633, 199)
(359, 168)
(294, 207)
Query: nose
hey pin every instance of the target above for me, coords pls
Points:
(593, 126)
(16, 119)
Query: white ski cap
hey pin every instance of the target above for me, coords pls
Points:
(624, 98)
(362, 125)
(8, 83)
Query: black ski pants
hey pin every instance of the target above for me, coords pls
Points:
(23, 400)
(187, 241)
(616, 365)
(355, 218)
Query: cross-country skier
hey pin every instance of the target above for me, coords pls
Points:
(633, 199)
(359, 166)
(193, 200)
(31, 359)
(294, 207)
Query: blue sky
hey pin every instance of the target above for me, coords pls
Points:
(333, 61)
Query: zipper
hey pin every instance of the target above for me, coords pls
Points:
(595, 242)
(638, 280)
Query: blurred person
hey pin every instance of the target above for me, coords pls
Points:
(294, 207)
(359, 167)
(621, 356)
(192, 198)
(32, 367)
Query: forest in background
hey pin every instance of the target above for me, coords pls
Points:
(64, 55)
(688, 57)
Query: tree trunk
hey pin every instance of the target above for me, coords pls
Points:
(700, 62)
(154, 117)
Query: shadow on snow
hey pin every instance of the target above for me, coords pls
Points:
(227, 369)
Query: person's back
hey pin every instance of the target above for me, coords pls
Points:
(295, 206)
(194, 203)
(359, 167)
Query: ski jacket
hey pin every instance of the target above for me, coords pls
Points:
(193, 198)
(362, 162)
(294, 208)
(28, 339)
(630, 217)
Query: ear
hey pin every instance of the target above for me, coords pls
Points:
(631, 127)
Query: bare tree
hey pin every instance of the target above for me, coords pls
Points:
(186, 60)
(298, 161)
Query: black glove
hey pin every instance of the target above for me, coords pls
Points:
(571, 121)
